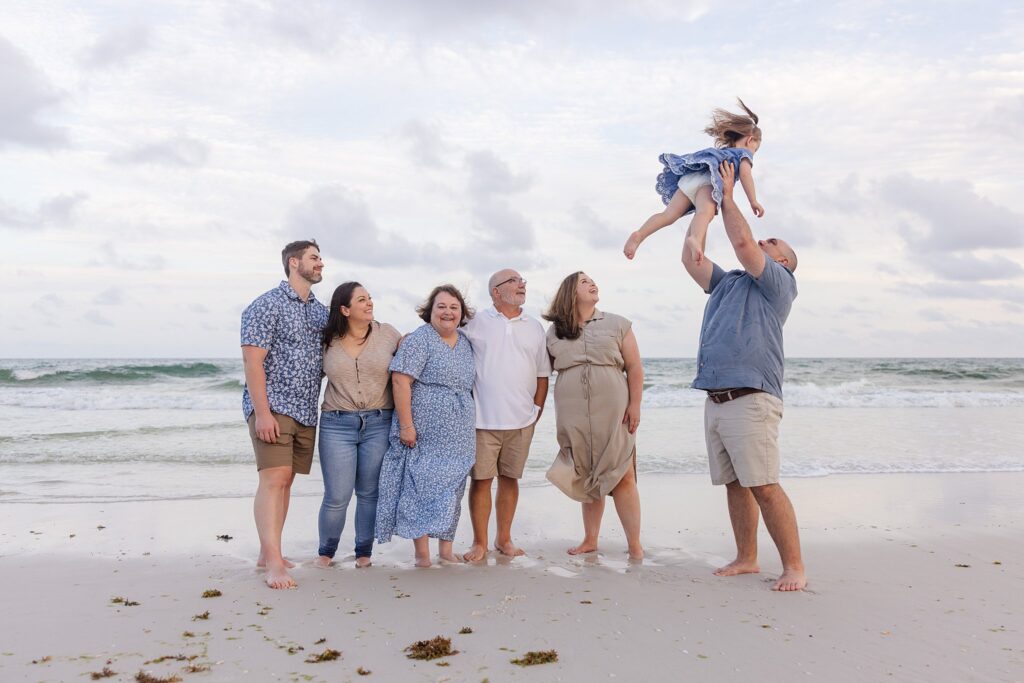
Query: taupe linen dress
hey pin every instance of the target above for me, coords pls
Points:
(591, 396)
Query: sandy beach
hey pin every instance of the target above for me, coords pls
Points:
(912, 577)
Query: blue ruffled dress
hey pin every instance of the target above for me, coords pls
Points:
(704, 161)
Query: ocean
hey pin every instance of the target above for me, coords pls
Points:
(109, 430)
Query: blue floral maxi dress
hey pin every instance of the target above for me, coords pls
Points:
(421, 488)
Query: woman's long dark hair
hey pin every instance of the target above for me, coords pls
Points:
(337, 324)
(563, 309)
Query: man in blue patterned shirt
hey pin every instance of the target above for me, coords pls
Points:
(282, 352)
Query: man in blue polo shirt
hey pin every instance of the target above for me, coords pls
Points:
(282, 351)
(740, 365)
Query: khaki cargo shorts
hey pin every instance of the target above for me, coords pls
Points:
(742, 437)
(294, 447)
(502, 451)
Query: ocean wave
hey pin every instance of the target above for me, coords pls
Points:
(132, 373)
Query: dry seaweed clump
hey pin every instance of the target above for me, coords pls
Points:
(212, 593)
(106, 673)
(465, 629)
(363, 672)
(197, 668)
(123, 601)
(327, 655)
(438, 646)
(202, 617)
(143, 677)
(537, 657)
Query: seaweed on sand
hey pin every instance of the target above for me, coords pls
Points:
(537, 657)
(438, 646)
(327, 655)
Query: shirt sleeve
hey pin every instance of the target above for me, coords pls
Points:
(411, 357)
(543, 359)
(259, 324)
(716, 276)
(776, 282)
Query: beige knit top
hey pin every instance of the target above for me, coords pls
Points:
(363, 382)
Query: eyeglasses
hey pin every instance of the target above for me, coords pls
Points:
(517, 280)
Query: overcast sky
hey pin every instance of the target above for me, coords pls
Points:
(155, 157)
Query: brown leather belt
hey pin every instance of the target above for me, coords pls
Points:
(724, 395)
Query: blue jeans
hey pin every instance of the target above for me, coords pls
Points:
(352, 447)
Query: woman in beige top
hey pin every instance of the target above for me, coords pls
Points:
(597, 409)
(355, 418)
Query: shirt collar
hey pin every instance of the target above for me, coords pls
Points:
(598, 315)
(290, 292)
(495, 313)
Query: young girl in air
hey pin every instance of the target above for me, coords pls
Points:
(691, 182)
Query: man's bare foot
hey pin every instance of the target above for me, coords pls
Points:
(632, 244)
(278, 578)
(363, 562)
(737, 567)
(323, 561)
(582, 548)
(476, 553)
(510, 549)
(261, 562)
(791, 580)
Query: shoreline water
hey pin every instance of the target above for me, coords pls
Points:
(912, 577)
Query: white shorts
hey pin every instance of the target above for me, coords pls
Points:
(691, 182)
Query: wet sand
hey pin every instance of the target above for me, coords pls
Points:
(912, 577)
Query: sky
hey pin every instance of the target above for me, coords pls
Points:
(155, 157)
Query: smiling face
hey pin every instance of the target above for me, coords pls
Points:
(508, 287)
(586, 291)
(360, 307)
(445, 314)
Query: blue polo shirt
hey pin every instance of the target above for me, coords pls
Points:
(291, 330)
(741, 336)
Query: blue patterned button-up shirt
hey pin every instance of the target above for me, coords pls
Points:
(290, 329)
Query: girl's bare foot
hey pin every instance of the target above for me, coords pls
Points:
(632, 244)
(323, 561)
(698, 251)
(737, 567)
(449, 558)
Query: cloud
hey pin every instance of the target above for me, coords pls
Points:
(96, 318)
(117, 47)
(109, 256)
(425, 144)
(59, 210)
(500, 233)
(183, 152)
(27, 94)
(597, 232)
(340, 221)
(970, 268)
(951, 216)
(112, 296)
(490, 175)
(973, 291)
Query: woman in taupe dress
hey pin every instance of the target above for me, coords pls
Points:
(597, 409)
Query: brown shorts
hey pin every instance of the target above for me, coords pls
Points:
(502, 451)
(742, 436)
(294, 447)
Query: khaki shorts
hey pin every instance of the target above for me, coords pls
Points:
(742, 436)
(502, 451)
(294, 447)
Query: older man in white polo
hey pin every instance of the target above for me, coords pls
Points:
(512, 371)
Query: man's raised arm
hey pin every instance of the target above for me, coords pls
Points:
(743, 243)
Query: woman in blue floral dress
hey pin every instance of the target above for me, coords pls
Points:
(433, 435)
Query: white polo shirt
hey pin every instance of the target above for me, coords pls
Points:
(510, 354)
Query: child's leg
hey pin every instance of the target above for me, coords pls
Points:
(677, 207)
(698, 232)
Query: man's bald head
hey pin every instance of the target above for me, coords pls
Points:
(779, 250)
(507, 288)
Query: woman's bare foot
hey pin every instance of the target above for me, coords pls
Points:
(363, 562)
(791, 580)
(323, 561)
(476, 553)
(632, 244)
(737, 567)
(510, 549)
(423, 561)
(636, 553)
(582, 548)
(278, 577)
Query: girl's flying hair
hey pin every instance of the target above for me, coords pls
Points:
(727, 128)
